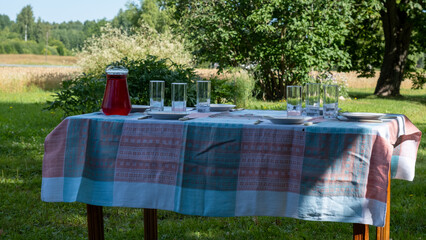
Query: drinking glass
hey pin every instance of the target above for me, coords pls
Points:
(312, 99)
(331, 97)
(178, 97)
(156, 95)
(116, 99)
(203, 96)
(294, 100)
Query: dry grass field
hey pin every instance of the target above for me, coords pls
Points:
(351, 77)
(15, 79)
(31, 59)
(20, 79)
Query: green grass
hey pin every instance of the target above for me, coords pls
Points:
(23, 127)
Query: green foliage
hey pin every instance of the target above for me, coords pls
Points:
(329, 78)
(235, 87)
(80, 95)
(142, 71)
(282, 41)
(84, 94)
(366, 43)
(5, 21)
(60, 47)
(222, 90)
(17, 46)
(25, 22)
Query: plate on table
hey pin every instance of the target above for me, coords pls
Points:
(139, 108)
(362, 115)
(221, 107)
(167, 115)
(287, 119)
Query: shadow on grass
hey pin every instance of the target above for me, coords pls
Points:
(362, 94)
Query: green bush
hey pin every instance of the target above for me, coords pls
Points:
(17, 46)
(80, 95)
(84, 94)
(237, 87)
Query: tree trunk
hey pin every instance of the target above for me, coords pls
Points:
(397, 29)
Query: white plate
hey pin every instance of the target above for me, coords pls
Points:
(167, 115)
(288, 120)
(362, 115)
(221, 107)
(139, 108)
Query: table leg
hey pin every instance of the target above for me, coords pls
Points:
(383, 233)
(360, 231)
(150, 224)
(95, 222)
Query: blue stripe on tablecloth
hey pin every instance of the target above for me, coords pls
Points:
(52, 189)
(144, 195)
(314, 208)
(205, 202)
(394, 165)
(88, 191)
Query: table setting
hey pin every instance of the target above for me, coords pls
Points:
(222, 161)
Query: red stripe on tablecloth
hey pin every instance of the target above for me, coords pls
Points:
(54, 151)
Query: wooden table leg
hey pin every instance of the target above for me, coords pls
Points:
(383, 233)
(360, 231)
(95, 222)
(150, 224)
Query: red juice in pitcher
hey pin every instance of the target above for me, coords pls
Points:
(116, 97)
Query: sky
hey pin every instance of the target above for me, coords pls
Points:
(65, 10)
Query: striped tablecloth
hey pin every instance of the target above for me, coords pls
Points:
(228, 166)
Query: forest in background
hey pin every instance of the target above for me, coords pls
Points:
(28, 35)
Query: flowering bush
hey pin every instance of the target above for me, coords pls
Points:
(115, 44)
(330, 78)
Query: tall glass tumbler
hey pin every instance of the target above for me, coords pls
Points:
(178, 97)
(156, 95)
(294, 100)
(331, 98)
(116, 99)
(312, 99)
(203, 96)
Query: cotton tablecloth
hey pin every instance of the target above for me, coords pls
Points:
(225, 165)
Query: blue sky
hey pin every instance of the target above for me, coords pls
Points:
(65, 10)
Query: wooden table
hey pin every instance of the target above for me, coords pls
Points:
(112, 157)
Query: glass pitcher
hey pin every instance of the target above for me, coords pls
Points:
(116, 97)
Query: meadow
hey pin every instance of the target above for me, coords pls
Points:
(24, 125)
(32, 59)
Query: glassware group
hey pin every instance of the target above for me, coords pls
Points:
(313, 100)
(179, 96)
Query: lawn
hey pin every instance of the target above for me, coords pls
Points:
(23, 127)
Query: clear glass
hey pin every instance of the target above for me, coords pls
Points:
(178, 97)
(116, 99)
(294, 100)
(156, 96)
(203, 96)
(331, 101)
(312, 99)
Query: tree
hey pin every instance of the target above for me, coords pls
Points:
(4, 21)
(25, 21)
(387, 34)
(398, 20)
(149, 12)
(155, 15)
(282, 40)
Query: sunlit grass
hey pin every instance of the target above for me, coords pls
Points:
(24, 126)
